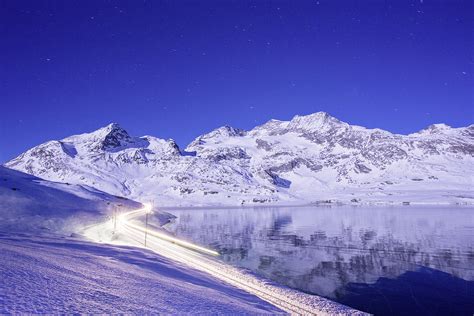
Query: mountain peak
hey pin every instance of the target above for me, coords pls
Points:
(227, 130)
(110, 128)
(113, 126)
(114, 136)
(319, 116)
(439, 126)
(271, 126)
(106, 138)
(223, 131)
(314, 121)
(217, 135)
(435, 129)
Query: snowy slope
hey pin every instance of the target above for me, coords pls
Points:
(312, 158)
(30, 204)
(47, 267)
(50, 275)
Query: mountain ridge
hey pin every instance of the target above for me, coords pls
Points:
(309, 159)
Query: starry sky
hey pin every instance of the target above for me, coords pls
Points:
(177, 69)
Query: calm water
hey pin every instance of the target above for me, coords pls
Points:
(384, 260)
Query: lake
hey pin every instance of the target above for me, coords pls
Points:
(382, 260)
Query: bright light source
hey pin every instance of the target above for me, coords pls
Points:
(148, 208)
(124, 220)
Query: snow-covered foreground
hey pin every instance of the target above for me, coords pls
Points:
(64, 275)
(45, 270)
(47, 266)
(128, 230)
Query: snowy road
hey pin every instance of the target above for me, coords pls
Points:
(203, 259)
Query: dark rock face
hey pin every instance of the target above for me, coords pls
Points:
(140, 156)
(117, 137)
(362, 168)
(173, 148)
(295, 163)
(277, 181)
(261, 144)
(230, 154)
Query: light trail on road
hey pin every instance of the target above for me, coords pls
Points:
(203, 259)
(124, 219)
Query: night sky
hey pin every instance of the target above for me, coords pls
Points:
(177, 69)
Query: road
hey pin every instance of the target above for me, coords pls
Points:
(130, 227)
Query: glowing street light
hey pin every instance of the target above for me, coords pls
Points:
(115, 216)
(148, 210)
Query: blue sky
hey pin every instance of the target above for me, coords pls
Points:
(177, 69)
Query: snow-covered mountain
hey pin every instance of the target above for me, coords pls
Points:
(310, 158)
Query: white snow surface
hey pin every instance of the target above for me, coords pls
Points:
(31, 204)
(46, 266)
(44, 275)
(314, 158)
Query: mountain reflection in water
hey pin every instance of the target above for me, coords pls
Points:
(384, 260)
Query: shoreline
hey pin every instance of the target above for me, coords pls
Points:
(291, 205)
